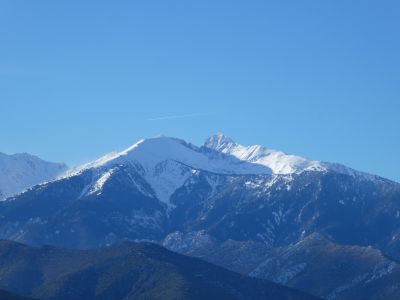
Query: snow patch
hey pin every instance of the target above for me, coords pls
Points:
(98, 186)
(166, 178)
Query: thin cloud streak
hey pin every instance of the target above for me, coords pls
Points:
(180, 116)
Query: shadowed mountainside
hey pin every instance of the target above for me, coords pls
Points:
(125, 271)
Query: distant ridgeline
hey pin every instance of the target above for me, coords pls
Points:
(127, 271)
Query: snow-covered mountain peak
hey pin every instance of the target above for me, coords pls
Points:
(153, 151)
(219, 142)
(279, 162)
(166, 163)
(22, 170)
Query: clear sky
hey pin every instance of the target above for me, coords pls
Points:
(315, 78)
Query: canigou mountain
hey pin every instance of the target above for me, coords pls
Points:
(236, 206)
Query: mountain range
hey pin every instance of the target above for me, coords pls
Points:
(315, 226)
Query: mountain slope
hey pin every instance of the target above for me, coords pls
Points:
(21, 171)
(315, 264)
(251, 221)
(4, 295)
(354, 271)
(125, 271)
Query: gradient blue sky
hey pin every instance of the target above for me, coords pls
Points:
(315, 78)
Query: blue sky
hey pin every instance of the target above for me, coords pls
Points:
(316, 78)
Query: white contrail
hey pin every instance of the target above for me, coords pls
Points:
(180, 116)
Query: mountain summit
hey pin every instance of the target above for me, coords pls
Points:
(277, 161)
(149, 153)
(21, 171)
(219, 142)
